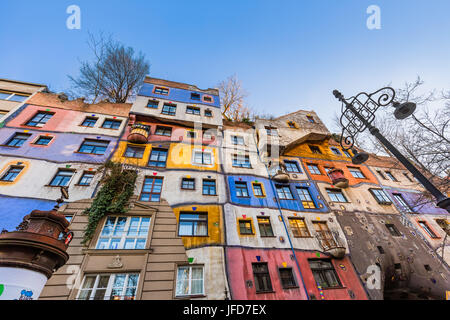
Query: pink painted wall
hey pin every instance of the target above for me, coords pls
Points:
(239, 266)
(65, 121)
(345, 271)
(178, 134)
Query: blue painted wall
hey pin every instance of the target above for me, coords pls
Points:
(12, 210)
(415, 203)
(62, 149)
(269, 200)
(179, 95)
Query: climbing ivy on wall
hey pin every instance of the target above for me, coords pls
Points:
(117, 186)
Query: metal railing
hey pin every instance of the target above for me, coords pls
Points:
(329, 239)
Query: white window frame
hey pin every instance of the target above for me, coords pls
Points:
(356, 173)
(190, 281)
(123, 237)
(196, 151)
(237, 140)
(112, 278)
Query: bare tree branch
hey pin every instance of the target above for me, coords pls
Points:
(115, 73)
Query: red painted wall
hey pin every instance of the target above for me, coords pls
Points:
(239, 266)
(345, 271)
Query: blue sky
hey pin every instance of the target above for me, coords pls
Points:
(289, 55)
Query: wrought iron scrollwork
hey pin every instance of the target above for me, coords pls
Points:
(366, 105)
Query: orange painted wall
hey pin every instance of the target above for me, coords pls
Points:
(344, 166)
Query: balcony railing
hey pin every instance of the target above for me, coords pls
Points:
(279, 173)
(337, 178)
(139, 133)
(331, 243)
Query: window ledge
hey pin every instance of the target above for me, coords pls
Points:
(106, 252)
(93, 154)
(191, 296)
(4, 145)
(263, 292)
(334, 288)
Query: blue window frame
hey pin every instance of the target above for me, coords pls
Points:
(40, 119)
(111, 124)
(305, 198)
(284, 192)
(193, 110)
(97, 147)
(134, 152)
(336, 195)
(188, 184)
(193, 224)
(238, 140)
(163, 131)
(18, 140)
(158, 158)
(62, 178)
(11, 174)
(313, 169)
(209, 187)
(241, 189)
(151, 190)
(153, 104)
(160, 90)
(43, 141)
(86, 178)
(89, 122)
(336, 151)
(195, 96)
(169, 109)
(292, 166)
(241, 161)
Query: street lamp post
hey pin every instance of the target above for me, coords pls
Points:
(358, 113)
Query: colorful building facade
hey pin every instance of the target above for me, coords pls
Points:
(273, 209)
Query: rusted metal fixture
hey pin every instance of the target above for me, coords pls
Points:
(338, 179)
(139, 133)
(280, 174)
(31, 254)
(331, 244)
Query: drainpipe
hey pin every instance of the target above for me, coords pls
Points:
(282, 219)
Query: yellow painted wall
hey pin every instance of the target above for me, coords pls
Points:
(303, 150)
(118, 155)
(179, 156)
(215, 225)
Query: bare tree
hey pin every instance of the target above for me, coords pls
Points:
(232, 100)
(116, 73)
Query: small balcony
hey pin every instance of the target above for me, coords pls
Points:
(278, 173)
(330, 243)
(337, 178)
(139, 133)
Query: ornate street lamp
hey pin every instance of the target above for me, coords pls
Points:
(358, 114)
